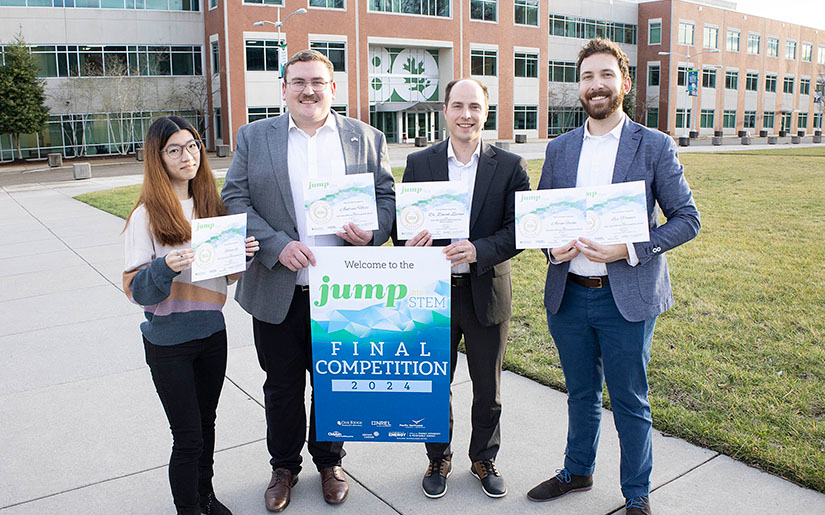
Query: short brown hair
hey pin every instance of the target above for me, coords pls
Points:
(604, 46)
(308, 55)
(452, 83)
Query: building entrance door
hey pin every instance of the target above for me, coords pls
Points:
(421, 124)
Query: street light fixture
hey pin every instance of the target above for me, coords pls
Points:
(282, 57)
(686, 137)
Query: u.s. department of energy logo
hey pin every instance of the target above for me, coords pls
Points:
(320, 211)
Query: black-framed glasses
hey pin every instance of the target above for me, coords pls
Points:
(176, 151)
(298, 86)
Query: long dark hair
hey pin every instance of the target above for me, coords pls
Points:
(167, 222)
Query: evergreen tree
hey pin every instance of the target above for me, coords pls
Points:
(22, 109)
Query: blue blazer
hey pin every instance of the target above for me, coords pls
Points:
(642, 291)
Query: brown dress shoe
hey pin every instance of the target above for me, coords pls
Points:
(279, 489)
(334, 484)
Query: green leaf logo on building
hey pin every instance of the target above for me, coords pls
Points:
(390, 292)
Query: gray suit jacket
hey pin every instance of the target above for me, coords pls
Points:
(642, 291)
(257, 184)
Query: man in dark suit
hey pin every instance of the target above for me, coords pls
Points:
(272, 160)
(481, 289)
(602, 300)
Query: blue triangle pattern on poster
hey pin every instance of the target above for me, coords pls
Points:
(377, 317)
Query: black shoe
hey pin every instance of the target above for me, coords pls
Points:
(435, 479)
(491, 481)
(638, 506)
(212, 506)
(562, 483)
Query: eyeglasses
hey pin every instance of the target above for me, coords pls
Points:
(176, 151)
(297, 86)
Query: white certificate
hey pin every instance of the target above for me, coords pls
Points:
(332, 203)
(220, 246)
(441, 207)
(609, 214)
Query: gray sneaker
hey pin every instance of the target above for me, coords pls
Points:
(562, 483)
(491, 481)
(435, 479)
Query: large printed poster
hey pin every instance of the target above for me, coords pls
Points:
(381, 343)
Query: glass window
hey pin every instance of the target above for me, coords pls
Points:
(527, 65)
(680, 118)
(216, 56)
(654, 37)
(526, 12)
(265, 2)
(790, 50)
(752, 81)
(483, 62)
(564, 119)
(753, 43)
(706, 119)
(212, 5)
(773, 47)
(711, 37)
(749, 120)
(259, 113)
(807, 52)
(681, 76)
(335, 52)
(420, 7)
(709, 78)
(729, 119)
(45, 58)
(820, 55)
(329, 4)
(492, 119)
(767, 120)
(483, 10)
(261, 55)
(91, 60)
(159, 60)
(182, 62)
(652, 119)
(525, 117)
(804, 86)
(573, 27)
(733, 41)
(653, 74)
(686, 34)
(787, 84)
(563, 71)
(770, 83)
(802, 121)
(817, 120)
(731, 79)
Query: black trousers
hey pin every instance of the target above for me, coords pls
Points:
(188, 378)
(485, 346)
(285, 354)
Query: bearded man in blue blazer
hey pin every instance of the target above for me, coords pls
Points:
(602, 301)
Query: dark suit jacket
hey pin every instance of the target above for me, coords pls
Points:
(257, 184)
(642, 291)
(492, 220)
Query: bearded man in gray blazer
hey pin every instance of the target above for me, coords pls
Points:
(602, 300)
(272, 159)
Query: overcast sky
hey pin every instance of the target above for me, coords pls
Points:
(810, 13)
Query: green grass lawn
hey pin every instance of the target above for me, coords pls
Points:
(738, 365)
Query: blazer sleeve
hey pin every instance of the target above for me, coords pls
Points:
(384, 194)
(501, 245)
(672, 193)
(236, 197)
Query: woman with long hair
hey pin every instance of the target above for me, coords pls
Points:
(184, 335)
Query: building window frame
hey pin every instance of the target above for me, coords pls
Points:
(754, 40)
(335, 51)
(710, 36)
(733, 40)
(484, 61)
(772, 47)
(484, 10)
(654, 31)
(526, 13)
(790, 49)
(787, 84)
(526, 64)
(752, 81)
(729, 119)
(525, 117)
(687, 33)
(709, 78)
(732, 79)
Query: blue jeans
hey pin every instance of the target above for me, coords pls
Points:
(596, 344)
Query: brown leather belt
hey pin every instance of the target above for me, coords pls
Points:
(589, 282)
(460, 280)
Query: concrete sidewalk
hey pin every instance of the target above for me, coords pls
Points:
(83, 432)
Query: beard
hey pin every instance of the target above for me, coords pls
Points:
(613, 104)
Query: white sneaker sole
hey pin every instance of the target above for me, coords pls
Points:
(494, 496)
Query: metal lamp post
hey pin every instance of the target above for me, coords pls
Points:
(685, 139)
(282, 58)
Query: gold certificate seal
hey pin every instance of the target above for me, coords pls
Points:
(205, 254)
(320, 212)
(530, 224)
(412, 217)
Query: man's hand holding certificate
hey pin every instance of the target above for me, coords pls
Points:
(440, 207)
(610, 214)
(333, 203)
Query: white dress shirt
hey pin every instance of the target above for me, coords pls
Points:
(313, 157)
(596, 163)
(466, 173)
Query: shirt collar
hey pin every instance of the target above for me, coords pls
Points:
(329, 124)
(451, 153)
(616, 131)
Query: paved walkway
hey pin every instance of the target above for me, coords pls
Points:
(82, 430)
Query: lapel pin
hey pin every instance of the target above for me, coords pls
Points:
(353, 138)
